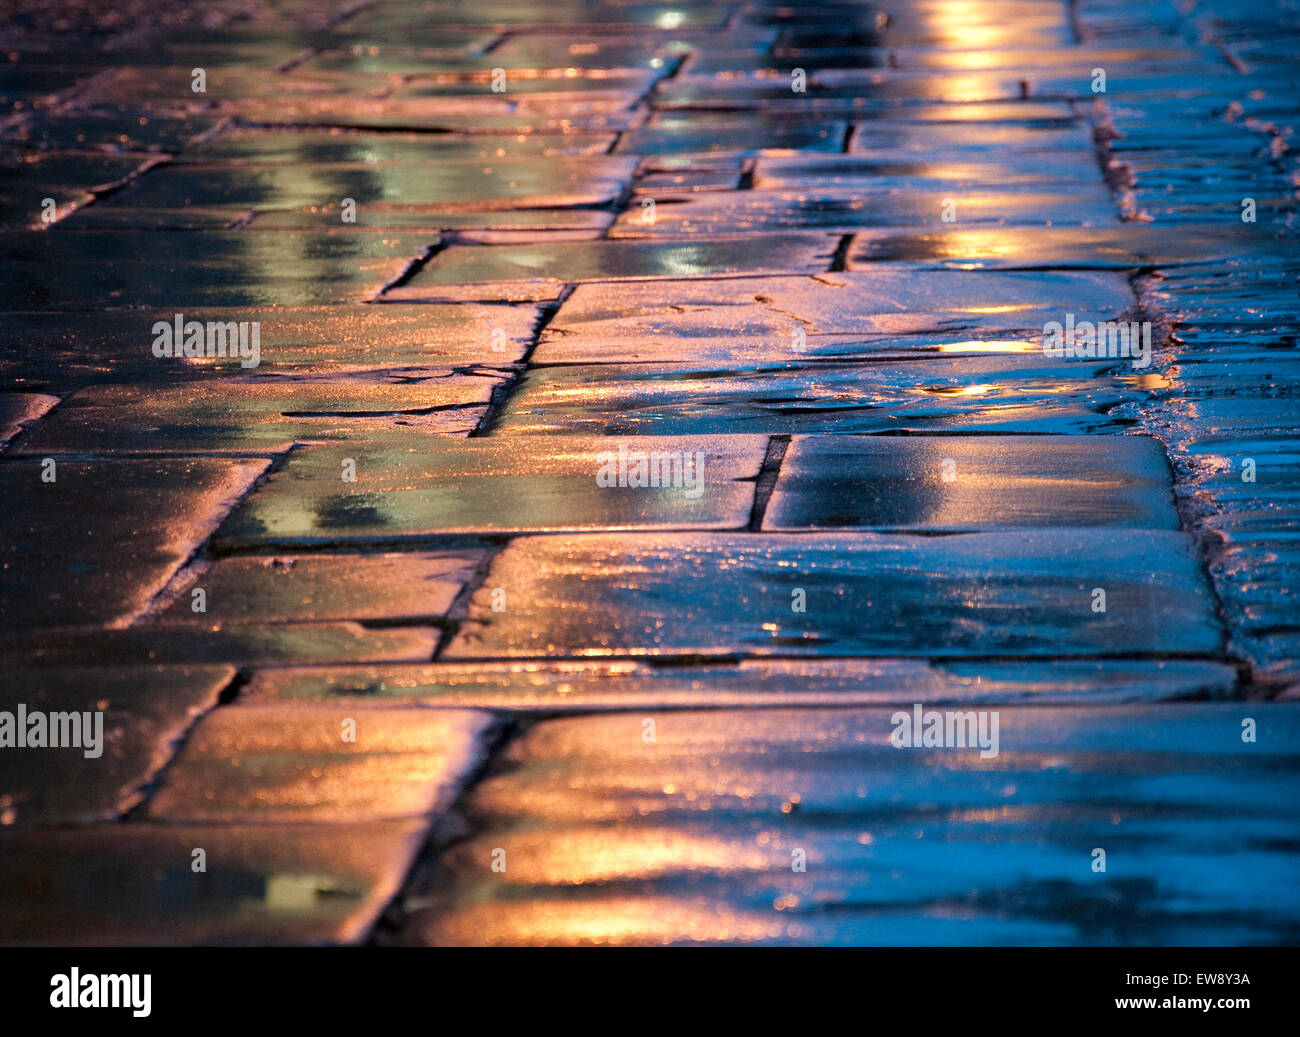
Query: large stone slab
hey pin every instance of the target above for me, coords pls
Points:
(301, 763)
(61, 348)
(564, 262)
(827, 316)
(95, 544)
(323, 588)
(998, 386)
(846, 209)
(248, 413)
(566, 687)
(1042, 248)
(494, 485)
(969, 482)
(241, 644)
(956, 168)
(698, 834)
(143, 713)
(1056, 135)
(182, 269)
(445, 184)
(320, 147)
(1024, 593)
(715, 134)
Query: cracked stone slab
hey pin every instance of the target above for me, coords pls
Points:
(263, 884)
(266, 414)
(322, 588)
(145, 711)
(562, 686)
(1004, 388)
(99, 541)
(618, 261)
(301, 763)
(1025, 593)
(971, 483)
(846, 209)
(829, 316)
(491, 485)
(260, 644)
(60, 347)
(182, 269)
(690, 838)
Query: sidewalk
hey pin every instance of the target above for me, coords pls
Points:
(641, 407)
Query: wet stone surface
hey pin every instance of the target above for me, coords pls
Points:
(863, 594)
(690, 840)
(626, 362)
(965, 482)
(495, 485)
(314, 764)
(143, 713)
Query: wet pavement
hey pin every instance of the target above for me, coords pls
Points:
(650, 405)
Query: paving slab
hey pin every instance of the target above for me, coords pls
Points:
(491, 486)
(618, 261)
(488, 227)
(259, 644)
(831, 316)
(199, 268)
(1055, 248)
(1027, 593)
(681, 135)
(248, 148)
(1006, 390)
(323, 588)
(114, 128)
(848, 91)
(518, 54)
(486, 114)
(1054, 134)
(443, 184)
(59, 348)
(612, 839)
(905, 170)
(846, 209)
(100, 539)
(300, 763)
(135, 885)
(632, 685)
(972, 482)
(264, 415)
(127, 723)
